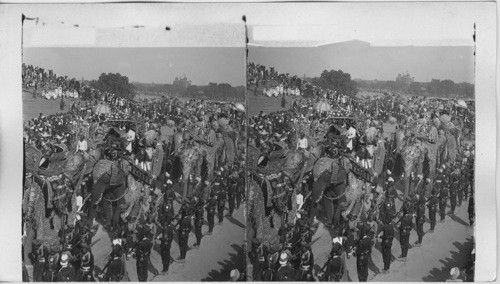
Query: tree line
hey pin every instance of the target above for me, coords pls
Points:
(435, 88)
(113, 83)
(336, 80)
(212, 91)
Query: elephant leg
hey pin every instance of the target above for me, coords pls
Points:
(119, 191)
(97, 191)
(328, 206)
(318, 188)
(108, 211)
(406, 181)
(51, 220)
(185, 183)
(199, 164)
(337, 211)
(210, 167)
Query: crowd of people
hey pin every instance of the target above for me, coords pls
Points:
(273, 84)
(369, 128)
(48, 85)
(145, 131)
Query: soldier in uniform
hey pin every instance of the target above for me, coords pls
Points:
(432, 206)
(404, 234)
(198, 223)
(53, 264)
(231, 196)
(116, 264)
(142, 255)
(87, 265)
(363, 254)
(210, 208)
(166, 239)
(67, 272)
(285, 272)
(335, 267)
(272, 264)
(389, 205)
(39, 260)
(443, 198)
(240, 190)
(454, 182)
(306, 261)
(471, 210)
(387, 237)
(150, 227)
(258, 258)
(420, 220)
(407, 206)
(169, 191)
(221, 204)
(283, 233)
(463, 188)
(453, 196)
(183, 233)
(165, 213)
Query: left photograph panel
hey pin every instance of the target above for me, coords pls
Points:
(134, 143)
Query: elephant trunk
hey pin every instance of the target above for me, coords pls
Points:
(185, 181)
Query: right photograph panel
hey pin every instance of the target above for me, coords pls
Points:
(361, 145)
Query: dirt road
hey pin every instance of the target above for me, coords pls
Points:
(448, 246)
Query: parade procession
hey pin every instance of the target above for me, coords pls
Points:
(150, 175)
(367, 174)
(232, 142)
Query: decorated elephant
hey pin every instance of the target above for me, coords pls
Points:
(110, 185)
(193, 153)
(421, 157)
(335, 185)
(59, 181)
(273, 189)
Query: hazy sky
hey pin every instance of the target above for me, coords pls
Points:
(381, 24)
(364, 61)
(89, 39)
(159, 65)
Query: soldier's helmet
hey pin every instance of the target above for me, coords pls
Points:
(69, 237)
(283, 258)
(336, 248)
(86, 258)
(64, 259)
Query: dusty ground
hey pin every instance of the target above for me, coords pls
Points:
(448, 246)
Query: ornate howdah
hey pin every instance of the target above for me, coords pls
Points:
(141, 175)
(362, 173)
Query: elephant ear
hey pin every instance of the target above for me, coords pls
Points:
(133, 192)
(316, 151)
(322, 165)
(354, 189)
(101, 167)
(294, 160)
(126, 166)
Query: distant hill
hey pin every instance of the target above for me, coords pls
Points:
(364, 61)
